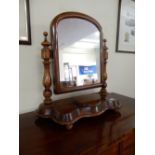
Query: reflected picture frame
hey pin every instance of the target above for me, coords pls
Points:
(24, 23)
(125, 37)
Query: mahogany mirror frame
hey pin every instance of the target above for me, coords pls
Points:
(58, 88)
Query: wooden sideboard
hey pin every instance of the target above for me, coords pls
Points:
(112, 133)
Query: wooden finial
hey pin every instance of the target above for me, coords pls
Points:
(45, 34)
(104, 45)
(45, 42)
(104, 40)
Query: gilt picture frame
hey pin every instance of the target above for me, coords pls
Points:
(24, 23)
(125, 38)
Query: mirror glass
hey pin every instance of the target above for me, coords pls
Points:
(79, 52)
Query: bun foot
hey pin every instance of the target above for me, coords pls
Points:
(69, 126)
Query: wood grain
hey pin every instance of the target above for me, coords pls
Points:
(110, 134)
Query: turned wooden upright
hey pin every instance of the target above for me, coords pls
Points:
(46, 56)
(103, 90)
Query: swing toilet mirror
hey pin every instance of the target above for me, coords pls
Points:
(78, 54)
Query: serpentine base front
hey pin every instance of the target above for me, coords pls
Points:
(68, 111)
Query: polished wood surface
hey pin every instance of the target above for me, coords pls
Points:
(46, 55)
(110, 134)
(68, 111)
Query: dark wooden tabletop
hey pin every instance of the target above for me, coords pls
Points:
(44, 137)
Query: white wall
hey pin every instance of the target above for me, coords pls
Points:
(120, 66)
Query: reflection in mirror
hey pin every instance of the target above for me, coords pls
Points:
(79, 52)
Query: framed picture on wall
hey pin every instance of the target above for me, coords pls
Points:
(125, 40)
(24, 23)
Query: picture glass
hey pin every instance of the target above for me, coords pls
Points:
(24, 23)
(126, 31)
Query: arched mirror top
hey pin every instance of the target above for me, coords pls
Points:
(78, 53)
(79, 15)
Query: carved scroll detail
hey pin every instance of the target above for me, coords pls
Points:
(103, 90)
(45, 55)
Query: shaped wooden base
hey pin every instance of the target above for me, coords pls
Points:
(68, 111)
